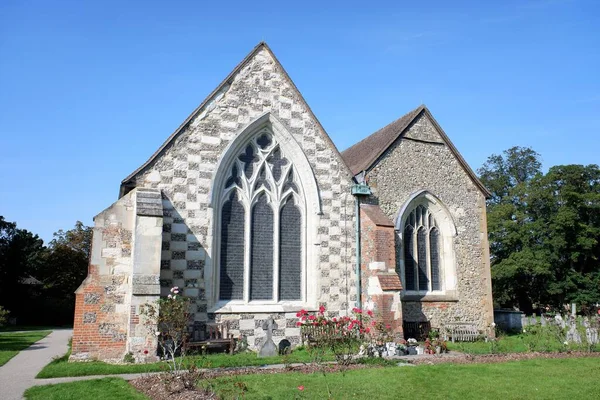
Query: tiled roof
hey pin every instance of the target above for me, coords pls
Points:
(364, 153)
(376, 215)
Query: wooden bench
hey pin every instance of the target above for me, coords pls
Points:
(218, 338)
(312, 335)
(461, 332)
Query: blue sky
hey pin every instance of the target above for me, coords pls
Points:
(89, 90)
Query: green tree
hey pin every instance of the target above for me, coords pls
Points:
(21, 255)
(65, 267)
(543, 230)
(566, 202)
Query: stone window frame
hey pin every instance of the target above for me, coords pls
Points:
(307, 199)
(447, 260)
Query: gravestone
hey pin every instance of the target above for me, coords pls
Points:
(285, 347)
(573, 334)
(543, 320)
(268, 349)
(591, 334)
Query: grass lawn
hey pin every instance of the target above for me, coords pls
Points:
(570, 378)
(107, 388)
(61, 367)
(12, 343)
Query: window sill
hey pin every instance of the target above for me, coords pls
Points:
(448, 296)
(282, 307)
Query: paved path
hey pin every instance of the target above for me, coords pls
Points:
(19, 373)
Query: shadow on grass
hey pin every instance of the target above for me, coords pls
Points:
(20, 341)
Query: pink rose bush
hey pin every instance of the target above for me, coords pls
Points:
(341, 335)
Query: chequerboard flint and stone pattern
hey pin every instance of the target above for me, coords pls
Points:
(184, 171)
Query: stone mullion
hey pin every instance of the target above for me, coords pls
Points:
(415, 256)
(247, 238)
(428, 250)
(428, 258)
(276, 249)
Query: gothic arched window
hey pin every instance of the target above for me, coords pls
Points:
(262, 220)
(421, 251)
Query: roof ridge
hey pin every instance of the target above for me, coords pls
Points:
(378, 142)
(382, 128)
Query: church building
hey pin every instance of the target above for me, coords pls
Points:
(251, 210)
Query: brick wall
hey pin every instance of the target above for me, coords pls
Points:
(380, 282)
(96, 333)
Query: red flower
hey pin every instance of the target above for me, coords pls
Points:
(368, 330)
(322, 309)
(370, 313)
(145, 351)
(388, 326)
(311, 317)
(324, 322)
(300, 388)
(373, 323)
(298, 314)
(304, 318)
(315, 323)
(334, 319)
(298, 323)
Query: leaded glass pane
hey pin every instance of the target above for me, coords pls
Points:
(248, 158)
(422, 259)
(289, 183)
(434, 246)
(261, 180)
(409, 259)
(261, 251)
(234, 179)
(232, 250)
(290, 253)
(264, 141)
(278, 162)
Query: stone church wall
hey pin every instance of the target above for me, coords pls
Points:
(184, 172)
(420, 160)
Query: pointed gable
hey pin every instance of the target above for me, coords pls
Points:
(210, 103)
(364, 155)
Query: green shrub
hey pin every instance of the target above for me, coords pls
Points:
(3, 315)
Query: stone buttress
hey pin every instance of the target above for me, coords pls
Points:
(123, 275)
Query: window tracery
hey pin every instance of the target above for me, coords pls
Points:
(263, 218)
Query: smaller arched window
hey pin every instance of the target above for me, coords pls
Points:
(421, 251)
